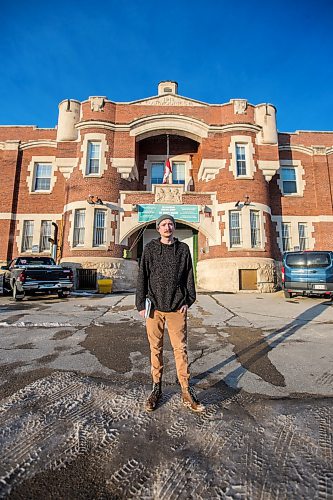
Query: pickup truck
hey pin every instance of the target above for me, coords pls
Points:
(28, 275)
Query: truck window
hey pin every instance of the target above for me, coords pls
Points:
(318, 259)
(296, 260)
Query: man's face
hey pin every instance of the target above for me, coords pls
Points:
(166, 228)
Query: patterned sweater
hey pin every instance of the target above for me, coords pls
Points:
(165, 276)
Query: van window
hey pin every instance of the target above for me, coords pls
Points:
(318, 259)
(296, 260)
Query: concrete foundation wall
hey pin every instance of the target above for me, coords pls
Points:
(223, 274)
(122, 271)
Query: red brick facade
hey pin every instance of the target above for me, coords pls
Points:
(242, 213)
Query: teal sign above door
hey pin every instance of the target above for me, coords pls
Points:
(187, 213)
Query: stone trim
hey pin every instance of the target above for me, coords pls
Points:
(269, 168)
(300, 181)
(38, 144)
(250, 151)
(294, 220)
(209, 169)
(66, 166)
(30, 180)
(94, 137)
(195, 134)
(193, 128)
(126, 167)
(296, 148)
(89, 224)
(245, 225)
(37, 219)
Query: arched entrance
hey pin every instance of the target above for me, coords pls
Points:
(183, 232)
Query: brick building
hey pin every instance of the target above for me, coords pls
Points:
(240, 191)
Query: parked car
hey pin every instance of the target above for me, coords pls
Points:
(29, 275)
(307, 273)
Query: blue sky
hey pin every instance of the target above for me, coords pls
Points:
(263, 51)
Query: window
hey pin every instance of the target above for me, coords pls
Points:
(289, 184)
(235, 228)
(99, 228)
(178, 173)
(28, 230)
(94, 152)
(42, 176)
(79, 221)
(45, 234)
(303, 236)
(255, 229)
(286, 237)
(241, 159)
(157, 173)
(320, 259)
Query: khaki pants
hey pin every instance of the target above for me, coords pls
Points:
(177, 329)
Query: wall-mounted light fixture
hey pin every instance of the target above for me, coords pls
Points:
(94, 200)
(240, 204)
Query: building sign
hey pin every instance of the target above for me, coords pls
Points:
(187, 213)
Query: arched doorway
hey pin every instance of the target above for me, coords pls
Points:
(183, 232)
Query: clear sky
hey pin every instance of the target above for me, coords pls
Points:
(279, 52)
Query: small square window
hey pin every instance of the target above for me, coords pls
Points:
(43, 173)
(289, 180)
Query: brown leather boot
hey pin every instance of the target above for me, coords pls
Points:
(190, 400)
(154, 397)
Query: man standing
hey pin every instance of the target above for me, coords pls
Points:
(166, 279)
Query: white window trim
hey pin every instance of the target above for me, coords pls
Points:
(240, 245)
(161, 159)
(299, 171)
(245, 227)
(32, 173)
(250, 151)
(102, 245)
(293, 221)
(92, 174)
(89, 227)
(37, 219)
(94, 137)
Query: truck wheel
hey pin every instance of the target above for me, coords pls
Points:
(62, 294)
(16, 294)
(287, 295)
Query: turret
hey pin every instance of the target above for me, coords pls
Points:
(69, 115)
(265, 117)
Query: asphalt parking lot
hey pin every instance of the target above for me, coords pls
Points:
(74, 375)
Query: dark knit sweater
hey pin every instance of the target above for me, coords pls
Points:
(165, 276)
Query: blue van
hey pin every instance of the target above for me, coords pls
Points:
(307, 273)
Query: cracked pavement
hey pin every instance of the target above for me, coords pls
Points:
(74, 375)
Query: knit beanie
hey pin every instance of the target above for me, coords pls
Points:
(164, 217)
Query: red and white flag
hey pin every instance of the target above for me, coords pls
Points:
(167, 171)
